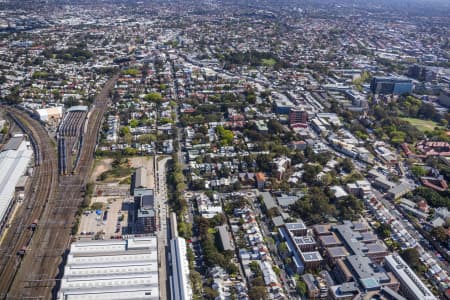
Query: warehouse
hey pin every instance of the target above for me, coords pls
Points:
(179, 280)
(14, 160)
(50, 114)
(410, 284)
(111, 269)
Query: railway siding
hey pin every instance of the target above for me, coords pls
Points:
(19, 239)
(38, 273)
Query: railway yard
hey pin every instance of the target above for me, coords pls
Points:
(69, 138)
(30, 255)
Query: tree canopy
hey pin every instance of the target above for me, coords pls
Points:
(153, 97)
(226, 136)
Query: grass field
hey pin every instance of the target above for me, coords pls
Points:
(268, 62)
(422, 125)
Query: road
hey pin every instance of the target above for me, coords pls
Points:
(38, 272)
(163, 232)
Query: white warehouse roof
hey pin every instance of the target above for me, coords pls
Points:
(179, 282)
(13, 164)
(113, 293)
(111, 269)
(408, 278)
(50, 113)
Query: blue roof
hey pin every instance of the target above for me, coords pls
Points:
(369, 283)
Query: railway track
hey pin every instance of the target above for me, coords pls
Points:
(44, 188)
(69, 139)
(36, 275)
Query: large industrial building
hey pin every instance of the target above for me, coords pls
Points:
(410, 285)
(111, 269)
(180, 286)
(14, 160)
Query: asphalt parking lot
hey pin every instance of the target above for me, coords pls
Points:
(113, 221)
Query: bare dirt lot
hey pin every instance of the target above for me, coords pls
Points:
(100, 167)
(106, 171)
(111, 197)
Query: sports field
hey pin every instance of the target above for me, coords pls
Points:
(422, 125)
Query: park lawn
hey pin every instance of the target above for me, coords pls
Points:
(268, 62)
(422, 125)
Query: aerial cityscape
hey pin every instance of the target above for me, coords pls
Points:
(224, 149)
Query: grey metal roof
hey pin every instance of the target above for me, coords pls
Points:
(337, 251)
(321, 229)
(278, 221)
(310, 281)
(285, 200)
(13, 143)
(140, 178)
(145, 197)
(224, 237)
(375, 247)
(402, 188)
(349, 287)
(78, 108)
(368, 236)
(392, 294)
(329, 239)
(351, 238)
(269, 202)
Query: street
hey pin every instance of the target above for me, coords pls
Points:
(162, 233)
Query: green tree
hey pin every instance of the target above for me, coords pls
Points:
(326, 179)
(130, 151)
(124, 130)
(258, 281)
(146, 138)
(154, 97)
(349, 207)
(310, 173)
(347, 165)
(433, 198)
(301, 288)
(165, 120)
(254, 267)
(134, 123)
(418, 171)
(210, 294)
(258, 293)
(440, 234)
(411, 256)
(384, 230)
(226, 136)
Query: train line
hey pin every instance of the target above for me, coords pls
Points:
(36, 274)
(19, 238)
(70, 133)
